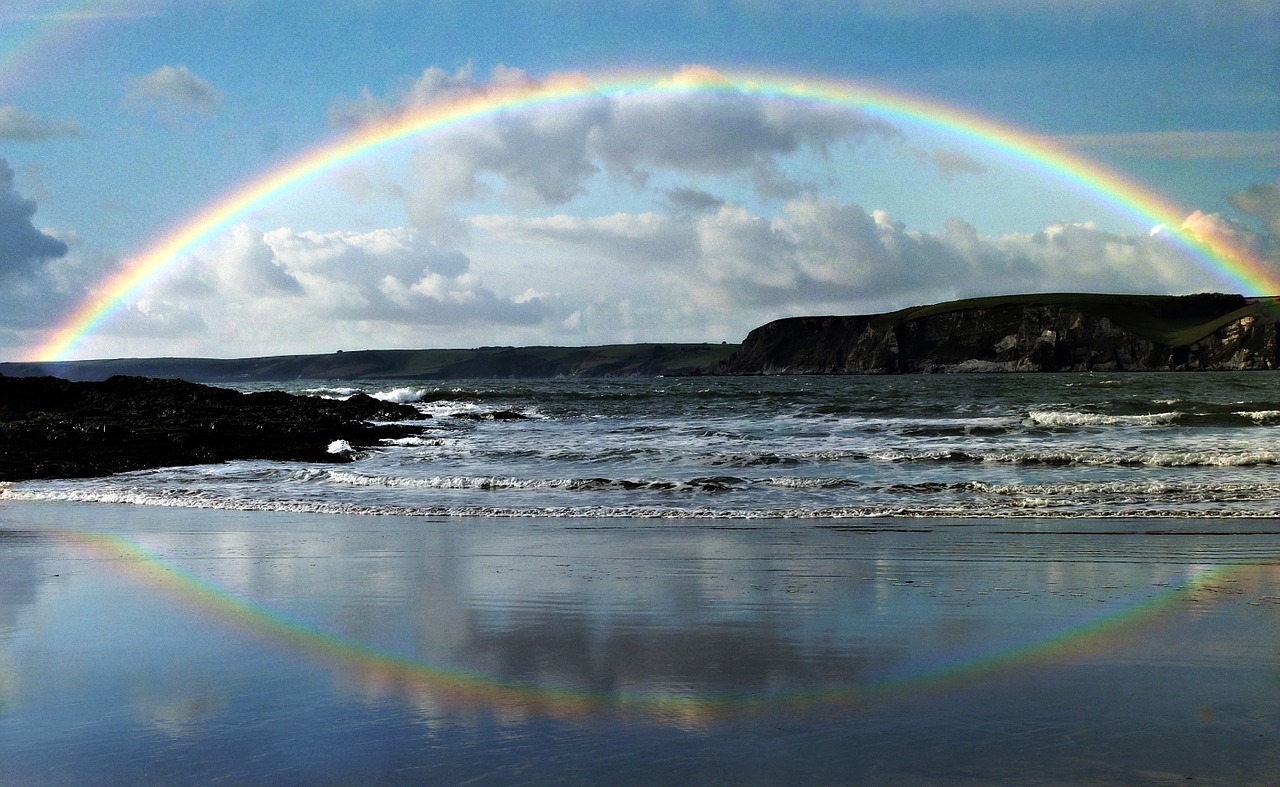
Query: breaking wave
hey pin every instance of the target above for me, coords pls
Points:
(1068, 418)
(1025, 508)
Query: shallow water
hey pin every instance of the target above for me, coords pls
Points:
(1179, 445)
(147, 644)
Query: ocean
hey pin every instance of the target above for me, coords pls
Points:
(938, 580)
(1043, 445)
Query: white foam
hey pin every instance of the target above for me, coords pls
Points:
(412, 441)
(401, 395)
(1261, 416)
(1029, 508)
(1092, 457)
(1059, 418)
(340, 447)
(797, 482)
(331, 393)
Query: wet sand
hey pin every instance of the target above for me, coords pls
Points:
(190, 646)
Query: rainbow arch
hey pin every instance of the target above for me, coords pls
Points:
(1236, 265)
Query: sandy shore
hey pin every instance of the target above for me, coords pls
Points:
(144, 644)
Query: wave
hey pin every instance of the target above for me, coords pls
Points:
(1069, 418)
(799, 482)
(400, 395)
(959, 510)
(499, 483)
(331, 392)
(1260, 416)
(1094, 457)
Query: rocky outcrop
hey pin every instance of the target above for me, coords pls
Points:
(1029, 333)
(53, 428)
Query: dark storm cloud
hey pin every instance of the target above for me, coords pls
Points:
(23, 248)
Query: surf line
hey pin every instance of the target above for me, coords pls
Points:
(1236, 265)
(463, 692)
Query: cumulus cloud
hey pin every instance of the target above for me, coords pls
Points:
(823, 255)
(546, 156)
(174, 93)
(702, 275)
(19, 126)
(242, 264)
(284, 289)
(23, 249)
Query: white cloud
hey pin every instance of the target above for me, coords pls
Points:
(546, 155)
(564, 279)
(695, 273)
(286, 291)
(19, 126)
(174, 93)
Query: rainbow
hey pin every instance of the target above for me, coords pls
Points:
(1214, 251)
(37, 33)
(463, 693)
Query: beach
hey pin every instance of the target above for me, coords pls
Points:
(144, 643)
(948, 579)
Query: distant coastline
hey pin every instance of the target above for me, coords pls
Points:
(614, 360)
(1014, 333)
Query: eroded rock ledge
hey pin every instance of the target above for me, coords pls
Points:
(53, 428)
(1024, 333)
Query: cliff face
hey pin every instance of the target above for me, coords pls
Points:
(1044, 333)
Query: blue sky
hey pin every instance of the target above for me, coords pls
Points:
(121, 119)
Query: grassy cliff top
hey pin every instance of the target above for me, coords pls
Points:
(1173, 320)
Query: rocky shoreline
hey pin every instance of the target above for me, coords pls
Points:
(54, 428)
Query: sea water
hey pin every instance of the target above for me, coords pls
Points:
(1047, 445)
(911, 580)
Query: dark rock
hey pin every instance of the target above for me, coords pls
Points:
(494, 415)
(54, 428)
(1028, 333)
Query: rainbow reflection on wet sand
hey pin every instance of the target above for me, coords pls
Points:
(192, 646)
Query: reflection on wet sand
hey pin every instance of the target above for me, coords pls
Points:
(661, 631)
(20, 577)
(234, 622)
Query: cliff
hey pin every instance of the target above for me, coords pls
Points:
(1023, 333)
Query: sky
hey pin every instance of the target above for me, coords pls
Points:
(625, 216)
